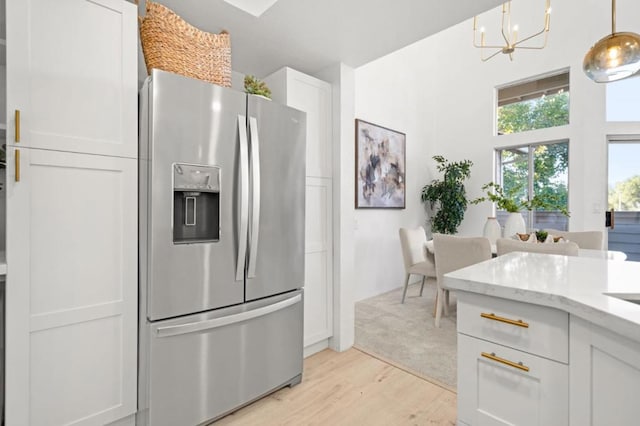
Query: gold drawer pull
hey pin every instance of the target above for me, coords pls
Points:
(17, 135)
(17, 158)
(518, 365)
(494, 317)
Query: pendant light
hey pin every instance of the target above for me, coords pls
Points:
(613, 57)
(509, 34)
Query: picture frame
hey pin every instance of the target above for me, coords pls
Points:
(380, 167)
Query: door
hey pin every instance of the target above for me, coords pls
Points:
(624, 196)
(72, 74)
(203, 125)
(605, 372)
(71, 288)
(276, 222)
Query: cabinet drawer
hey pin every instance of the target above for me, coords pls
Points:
(498, 385)
(523, 326)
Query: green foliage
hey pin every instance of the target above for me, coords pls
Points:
(542, 236)
(625, 196)
(547, 111)
(447, 197)
(256, 87)
(550, 164)
(511, 202)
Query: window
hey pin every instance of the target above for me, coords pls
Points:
(623, 97)
(535, 104)
(539, 169)
(624, 195)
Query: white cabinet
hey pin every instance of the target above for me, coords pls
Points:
(318, 262)
(71, 196)
(503, 386)
(604, 376)
(71, 288)
(313, 96)
(512, 363)
(68, 76)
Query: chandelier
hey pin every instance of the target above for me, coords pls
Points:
(613, 57)
(510, 34)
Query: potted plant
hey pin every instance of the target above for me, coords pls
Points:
(542, 236)
(254, 86)
(447, 197)
(509, 202)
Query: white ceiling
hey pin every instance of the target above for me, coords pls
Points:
(310, 35)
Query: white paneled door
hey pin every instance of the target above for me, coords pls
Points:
(318, 294)
(69, 72)
(72, 285)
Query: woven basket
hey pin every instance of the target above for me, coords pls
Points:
(171, 44)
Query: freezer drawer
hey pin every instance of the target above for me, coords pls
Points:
(204, 366)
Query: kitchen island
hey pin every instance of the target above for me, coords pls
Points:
(547, 339)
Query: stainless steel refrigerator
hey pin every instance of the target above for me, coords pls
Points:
(222, 181)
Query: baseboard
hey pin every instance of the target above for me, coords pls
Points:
(126, 421)
(315, 348)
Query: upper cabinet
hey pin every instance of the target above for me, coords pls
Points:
(313, 96)
(68, 78)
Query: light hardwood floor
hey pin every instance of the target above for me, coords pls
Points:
(351, 388)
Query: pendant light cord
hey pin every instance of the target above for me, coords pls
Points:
(613, 16)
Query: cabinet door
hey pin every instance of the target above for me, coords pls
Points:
(72, 288)
(318, 294)
(71, 72)
(605, 372)
(312, 96)
(492, 392)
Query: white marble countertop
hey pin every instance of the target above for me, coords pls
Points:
(587, 287)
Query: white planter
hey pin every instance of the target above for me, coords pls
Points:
(514, 224)
(492, 230)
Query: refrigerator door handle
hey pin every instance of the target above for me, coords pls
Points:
(255, 213)
(175, 330)
(243, 200)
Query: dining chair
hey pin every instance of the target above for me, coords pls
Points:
(453, 253)
(508, 245)
(593, 240)
(417, 261)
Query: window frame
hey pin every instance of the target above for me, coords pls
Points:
(498, 175)
(529, 81)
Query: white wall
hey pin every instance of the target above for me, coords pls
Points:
(441, 95)
(394, 92)
(343, 94)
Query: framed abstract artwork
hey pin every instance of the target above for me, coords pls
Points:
(380, 162)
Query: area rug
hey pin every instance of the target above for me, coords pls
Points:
(405, 336)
